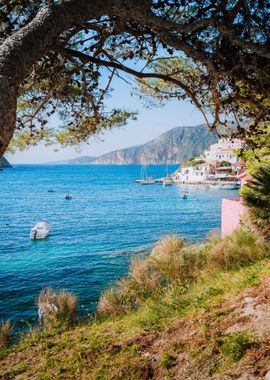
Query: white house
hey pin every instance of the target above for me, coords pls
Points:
(196, 173)
(223, 150)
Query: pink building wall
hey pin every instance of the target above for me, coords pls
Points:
(232, 209)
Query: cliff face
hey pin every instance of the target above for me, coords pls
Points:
(4, 163)
(172, 147)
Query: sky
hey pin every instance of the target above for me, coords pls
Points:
(150, 124)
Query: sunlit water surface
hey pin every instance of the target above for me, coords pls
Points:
(94, 235)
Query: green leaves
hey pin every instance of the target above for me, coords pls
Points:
(256, 196)
(89, 126)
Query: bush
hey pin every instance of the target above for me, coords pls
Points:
(236, 250)
(235, 345)
(172, 265)
(256, 196)
(5, 334)
(115, 300)
(57, 308)
(174, 261)
(193, 162)
(167, 360)
(169, 262)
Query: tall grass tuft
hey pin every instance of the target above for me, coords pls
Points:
(5, 334)
(169, 262)
(176, 262)
(236, 250)
(172, 264)
(57, 308)
(115, 300)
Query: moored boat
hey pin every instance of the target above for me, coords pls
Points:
(148, 181)
(229, 186)
(40, 231)
(144, 179)
(167, 181)
(225, 185)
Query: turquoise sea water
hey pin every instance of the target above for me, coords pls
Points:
(93, 236)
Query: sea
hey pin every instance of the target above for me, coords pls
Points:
(109, 220)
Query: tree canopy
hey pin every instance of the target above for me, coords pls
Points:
(62, 55)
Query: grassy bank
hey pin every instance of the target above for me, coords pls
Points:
(180, 313)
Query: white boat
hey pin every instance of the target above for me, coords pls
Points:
(144, 179)
(40, 231)
(147, 181)
(167, 181)
(229, 186)
(225, 185)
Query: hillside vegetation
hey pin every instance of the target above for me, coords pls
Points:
(183, 312)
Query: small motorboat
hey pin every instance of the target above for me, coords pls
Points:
(51, 191)
(40, 231)
(184, 195)
(229, 186)
(225, 185)
(167, 181)
(68, 196)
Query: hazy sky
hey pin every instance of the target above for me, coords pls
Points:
(150, 123)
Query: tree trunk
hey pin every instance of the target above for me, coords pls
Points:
(8, 100)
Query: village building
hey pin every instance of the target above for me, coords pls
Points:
(223, 150)
(220, 162)
(198, 173)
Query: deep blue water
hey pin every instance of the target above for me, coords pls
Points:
(93, 235)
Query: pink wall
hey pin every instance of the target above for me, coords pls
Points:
(232, 209)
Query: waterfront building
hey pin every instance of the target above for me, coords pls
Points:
(220, 161)
(223, 150)
(197, 173)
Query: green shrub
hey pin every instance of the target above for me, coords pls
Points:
(116, 300)
(256, 196)
(235, 345)
(192, 162)
(57, 308)
(5, 334)
(167, 360)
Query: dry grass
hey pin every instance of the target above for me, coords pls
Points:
(115, 300)
(57, 308)
(176, 262)
(171, 262)
(5, 334)
(236, 250)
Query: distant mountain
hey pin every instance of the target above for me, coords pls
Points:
(83, 160)
(173, 147)
(4, 163)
